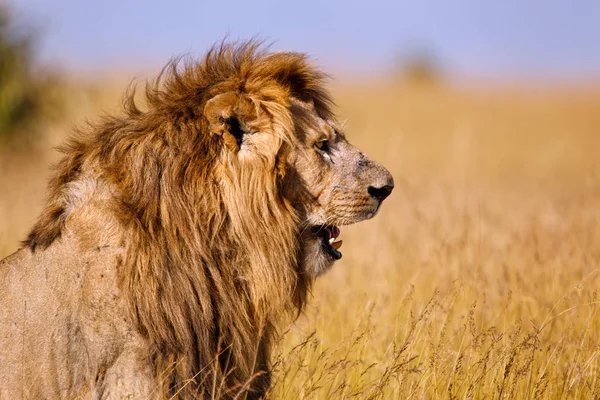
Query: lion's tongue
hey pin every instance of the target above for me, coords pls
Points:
(332, 233)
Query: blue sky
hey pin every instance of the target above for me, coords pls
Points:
(515, 38)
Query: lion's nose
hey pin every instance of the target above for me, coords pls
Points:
(380, 192)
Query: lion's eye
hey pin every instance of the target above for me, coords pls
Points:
(322, 145)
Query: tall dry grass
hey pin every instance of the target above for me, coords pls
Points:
(478, 279)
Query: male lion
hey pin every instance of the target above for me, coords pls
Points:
(176, 237)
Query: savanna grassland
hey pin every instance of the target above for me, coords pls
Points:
(480, 276)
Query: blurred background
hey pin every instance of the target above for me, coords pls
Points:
(479, 276)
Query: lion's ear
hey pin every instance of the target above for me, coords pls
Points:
(223, 115)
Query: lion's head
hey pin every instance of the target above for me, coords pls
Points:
(226, 195)
(289, 131)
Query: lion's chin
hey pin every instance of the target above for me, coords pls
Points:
(320, 249)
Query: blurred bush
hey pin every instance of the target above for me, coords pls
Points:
(24, 92)
(421, 67)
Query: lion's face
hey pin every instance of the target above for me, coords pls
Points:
(332, 184)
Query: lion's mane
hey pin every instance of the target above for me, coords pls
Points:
(210, 245)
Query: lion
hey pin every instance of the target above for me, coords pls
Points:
(177, 236)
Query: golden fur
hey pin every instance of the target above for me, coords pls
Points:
(203, 202)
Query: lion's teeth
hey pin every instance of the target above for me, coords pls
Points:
(331, 240)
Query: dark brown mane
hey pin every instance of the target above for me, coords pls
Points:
(203, 288)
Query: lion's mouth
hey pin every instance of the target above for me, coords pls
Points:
(328, 235)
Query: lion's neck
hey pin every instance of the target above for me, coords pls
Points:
(210, 284)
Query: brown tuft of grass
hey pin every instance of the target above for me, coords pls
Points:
(478, 279)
